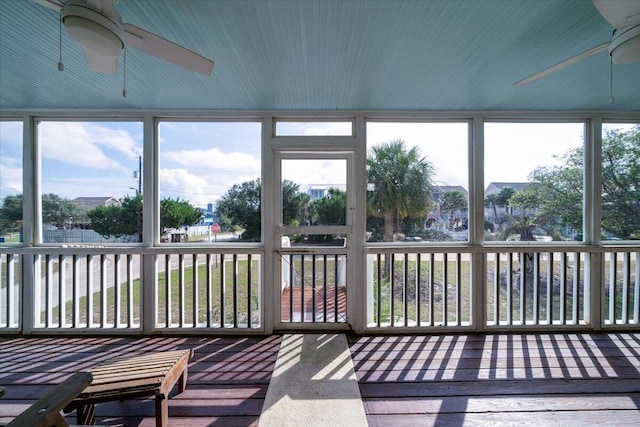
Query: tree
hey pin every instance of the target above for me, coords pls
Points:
(527, 203)
(177, 213)
(499, 199)
(452, 201)
(332, 209)
(240, 206)
(11, 213)
(126, 219)
(402, 185)
(56, 211)
(562, 193)
(123, 220)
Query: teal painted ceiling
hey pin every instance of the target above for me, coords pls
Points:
(344, 55)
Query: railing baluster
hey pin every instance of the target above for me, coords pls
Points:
(62, 286)
(103, 290)
(378, 288)
(223, 278)
(249, 313)
(209, 285)
(458, 289)
(510, 288)
(130, 316)
(90, 283)
(445, 290)
(336, 299)
(432, 281)
(325, 285)
(418, 289)
(523, 288)
(235, 290)
(48, 268)
(117, 280)
(167, 290)
(392, 284)
(181, 307)
(550, 289)
(636, 291)
(536, 288)
(291, 283)
(10, 284)
(405, 289)
(576, 294)
(313, 288)
(563, 288)
(194, 283)
(75, 294)
(302, 284)
(626, 279)
(496, 290)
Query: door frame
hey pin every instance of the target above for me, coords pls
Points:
(353, 149)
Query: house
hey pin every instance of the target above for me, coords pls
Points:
(89, 203)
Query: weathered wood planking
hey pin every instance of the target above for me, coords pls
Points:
(520, 379)
(228, 376)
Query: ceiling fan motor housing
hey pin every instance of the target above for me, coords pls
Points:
(92, 30)
(625, 45)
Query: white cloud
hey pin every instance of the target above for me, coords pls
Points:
(85, 144)
(11, 173)
(214, 158)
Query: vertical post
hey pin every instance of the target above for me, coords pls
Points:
(269, 293)
(476, 224)
(32, 226)
(150, 226)
(594, 263)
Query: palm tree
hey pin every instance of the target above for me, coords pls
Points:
(452, 201)
(402, 184)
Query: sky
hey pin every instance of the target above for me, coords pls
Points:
(200, 161)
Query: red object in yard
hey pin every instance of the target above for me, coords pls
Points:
(215, 228)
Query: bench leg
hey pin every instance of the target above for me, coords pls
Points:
(182, 382)
(162, 410)
(86, 415)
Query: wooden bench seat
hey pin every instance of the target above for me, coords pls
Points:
(149, 374)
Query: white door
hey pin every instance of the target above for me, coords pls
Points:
(313, 244)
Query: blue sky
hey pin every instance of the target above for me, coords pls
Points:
(199, 161)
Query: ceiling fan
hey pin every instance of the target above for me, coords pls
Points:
(98, 28)
(624, 47)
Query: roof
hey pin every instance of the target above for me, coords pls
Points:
(495, 187)
(326, 55)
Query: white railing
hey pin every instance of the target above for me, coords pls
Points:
(219, 290)
(536, 288)
(102, 289)
(418, 289)
(408, 288)
(10, 280)
(621, 287)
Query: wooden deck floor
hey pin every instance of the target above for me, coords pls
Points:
(444, 380)
(535, 380)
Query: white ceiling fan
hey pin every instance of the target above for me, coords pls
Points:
(98, 28)
(624, 47)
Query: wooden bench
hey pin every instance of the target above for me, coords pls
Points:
(150, 374)
(46, 411)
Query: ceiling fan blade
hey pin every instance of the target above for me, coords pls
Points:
(51, 4)
(166, 50)
(573, 60)
(105, 7)
(101, 63)
(619, 13)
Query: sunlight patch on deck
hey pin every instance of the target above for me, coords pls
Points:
(313, 384)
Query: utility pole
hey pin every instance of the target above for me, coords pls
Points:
(139, 174)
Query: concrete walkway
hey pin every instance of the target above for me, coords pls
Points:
(313, 384)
